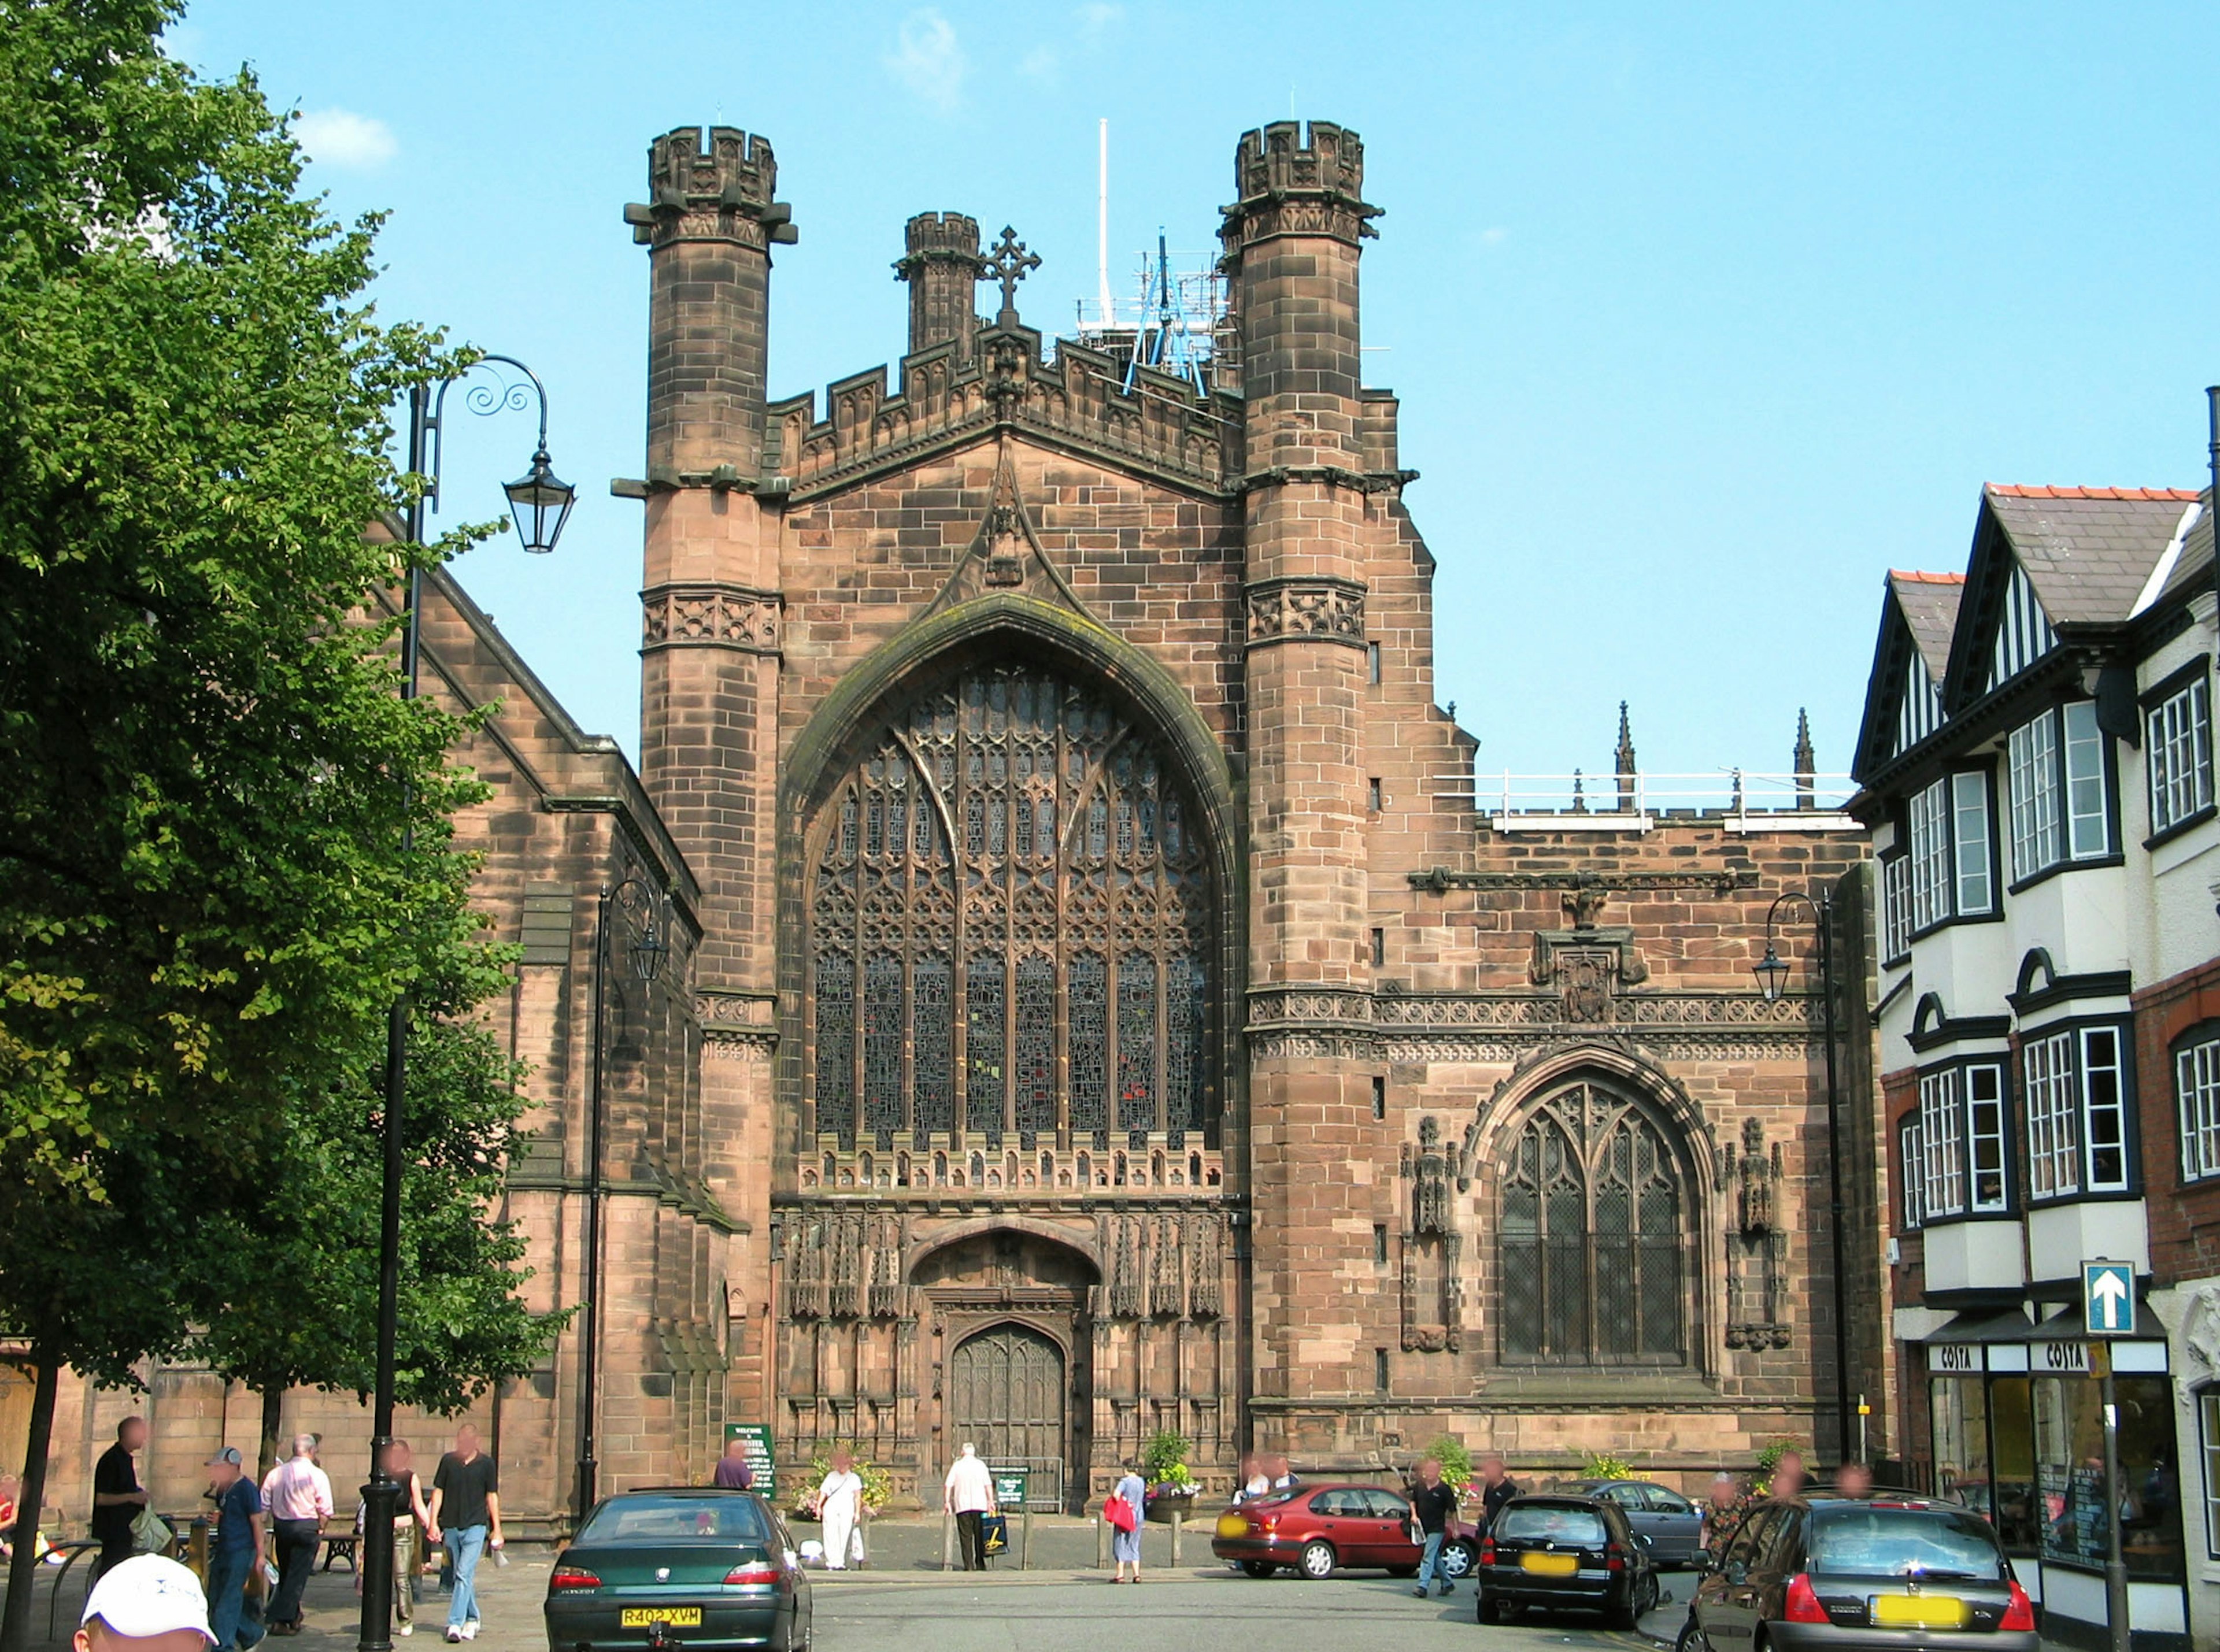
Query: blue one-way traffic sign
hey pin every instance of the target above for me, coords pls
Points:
(2108, 1299)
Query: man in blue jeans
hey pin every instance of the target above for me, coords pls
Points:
(466, 1512)
(1435, 1503)
(236, 1555)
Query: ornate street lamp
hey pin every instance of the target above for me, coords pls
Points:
(1771, 973)
(541, 502)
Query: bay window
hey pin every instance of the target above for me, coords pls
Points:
(1960, 1128)
(1895, 908)
(2061, 808)
(2180, 753)
(2077, 1112)
(1952, 864)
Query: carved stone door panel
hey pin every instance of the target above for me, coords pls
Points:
(1006, 1395)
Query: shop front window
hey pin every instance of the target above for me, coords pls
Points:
(2069, 1439)
(2011, 1450)
(1960, 1410)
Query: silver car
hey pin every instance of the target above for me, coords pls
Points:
(1671, 1524)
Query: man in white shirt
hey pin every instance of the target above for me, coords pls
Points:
(298, 1495)
(969, 1494)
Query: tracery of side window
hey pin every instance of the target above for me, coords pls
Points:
(1011, 918)
(1594, 1236)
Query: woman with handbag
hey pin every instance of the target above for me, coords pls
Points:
(1123, 1509)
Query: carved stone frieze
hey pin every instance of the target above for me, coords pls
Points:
(714, 616)
(1541, 1011)
(1438, 880)
(1306, 610)
(739, 1043)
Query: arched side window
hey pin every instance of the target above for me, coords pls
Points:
(1010, 922)
(1591, 1236)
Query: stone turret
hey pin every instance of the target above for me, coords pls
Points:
(709, 224)
(942, 266)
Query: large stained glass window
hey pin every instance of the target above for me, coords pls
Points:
(1590, 1239)
(1010, 918)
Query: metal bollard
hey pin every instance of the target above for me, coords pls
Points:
(1177, 1519)
(1101, 1542)
(1026, 1538)
(947, 1542)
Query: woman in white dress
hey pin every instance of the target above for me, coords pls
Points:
(840, 1506)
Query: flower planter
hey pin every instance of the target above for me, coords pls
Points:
(1164, 1504)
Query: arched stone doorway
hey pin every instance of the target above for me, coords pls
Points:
(1010, 1350)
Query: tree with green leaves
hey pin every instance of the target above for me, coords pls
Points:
(295, 1262)
(206, 908)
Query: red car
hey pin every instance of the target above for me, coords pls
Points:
(1317, 1530)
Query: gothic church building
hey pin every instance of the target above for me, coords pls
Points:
(1103, 1003)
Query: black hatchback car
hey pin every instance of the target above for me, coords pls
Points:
(707, 1569)
(1859, 1574)
(1564, 1552)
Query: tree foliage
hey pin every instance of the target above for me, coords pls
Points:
(295, 1262)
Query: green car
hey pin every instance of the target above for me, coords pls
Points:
(692, 1566)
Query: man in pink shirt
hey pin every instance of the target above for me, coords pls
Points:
(298, 1495)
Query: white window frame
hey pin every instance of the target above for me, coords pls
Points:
(1953, 860)
(2208, 1442)
(2076, 1079)
(1912, 1161)
(2197, 1104)
(2060, 810)
(2178, 754)
(1896, 908)
(1930, 817)
(1988, 1173)
(1974, 866)
(1941, 1127)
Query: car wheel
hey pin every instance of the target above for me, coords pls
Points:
(1258, 1568)
(1316, 1562)
(1458, 1560)
(1691, 1636)
(1646, 1601)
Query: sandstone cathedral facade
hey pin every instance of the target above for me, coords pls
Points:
(1100, 1002)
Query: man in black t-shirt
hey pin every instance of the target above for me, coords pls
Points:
(117, 1494)
(1496, 1488)
(466, 1515)
(1435, 1502)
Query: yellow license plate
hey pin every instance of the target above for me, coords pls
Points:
(677, 1617)
(1919, 1612)
(1232, 1525)
(1549, 1565)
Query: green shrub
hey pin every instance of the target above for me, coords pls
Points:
(1163, 1460)
(1769, 1459)
(878, 1485)
(1602, 1465)
(1456, 1460)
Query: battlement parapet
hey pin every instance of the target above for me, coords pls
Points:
(1077, 401)
(1293, 180)
(713, 184)
(951, 235)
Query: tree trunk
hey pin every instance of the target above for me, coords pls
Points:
(23, 1569)
(273, 1420)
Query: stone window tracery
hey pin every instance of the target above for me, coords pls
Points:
(1591, 1237)
(1010, 890)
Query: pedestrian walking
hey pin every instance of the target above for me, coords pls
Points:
(969, 1495)
(839, 1504)
(733, 1473)
(147, 1603)
(1496, 1488)
(415, 1517)
(118, 1497)
(297, 1495)
(465, 1510)
(1125, 1526)
(238, 1554)
(1434, 1504)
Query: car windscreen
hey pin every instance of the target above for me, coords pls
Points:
(649, 1520)
(1876, 1542)
(1545, 1523)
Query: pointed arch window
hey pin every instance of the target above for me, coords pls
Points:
(1591, 1237)
(1010, 923)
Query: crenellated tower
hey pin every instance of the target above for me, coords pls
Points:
(709, 661)
(943, 267)
(1291, 250)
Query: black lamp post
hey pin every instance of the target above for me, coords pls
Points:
(1771, 973)
(540, 503)
(646, 953)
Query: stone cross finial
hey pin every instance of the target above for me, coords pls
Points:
(1007, 261)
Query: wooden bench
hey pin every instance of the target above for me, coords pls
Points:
(341, 1542)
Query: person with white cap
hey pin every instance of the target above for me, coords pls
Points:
(146, 1604)
(236, 1555)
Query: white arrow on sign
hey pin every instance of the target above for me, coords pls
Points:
(2111, 1290)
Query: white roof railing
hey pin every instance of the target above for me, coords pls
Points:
(1749, 800)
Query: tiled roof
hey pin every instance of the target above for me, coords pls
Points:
(1929, 603)
(2089, 551)
(2195, 566)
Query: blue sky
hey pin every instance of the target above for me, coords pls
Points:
(1702, 317)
